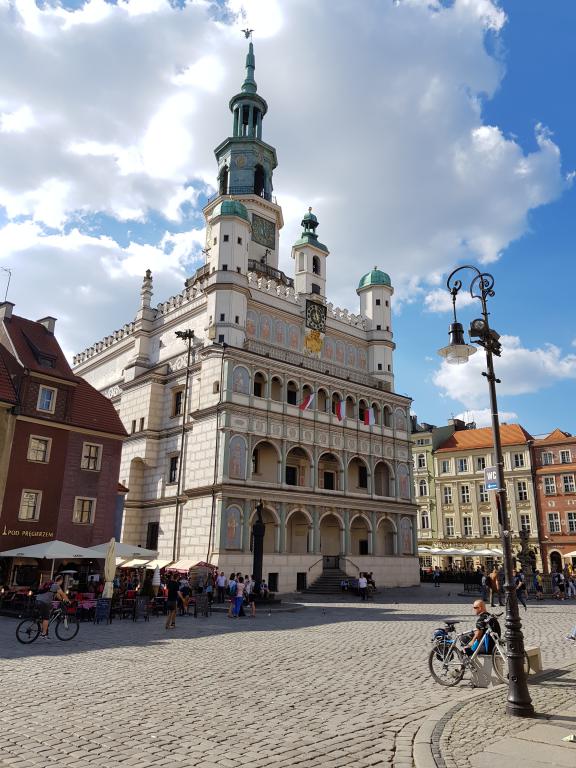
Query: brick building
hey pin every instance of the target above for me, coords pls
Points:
(60, 442)
(555, 473)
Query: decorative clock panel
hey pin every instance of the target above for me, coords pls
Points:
(263, 231)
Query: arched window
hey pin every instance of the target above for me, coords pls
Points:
(423, 488)
(223, 186)
(259, 180)
(316, 265)
(421, 461)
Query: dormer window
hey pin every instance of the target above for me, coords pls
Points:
(46, 362)
(46, 400)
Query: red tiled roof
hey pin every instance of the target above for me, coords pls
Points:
(470, 439)
(7, 392)
(31, 340)
(557, 436)
(92, 410)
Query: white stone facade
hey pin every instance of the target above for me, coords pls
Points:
(330, 485)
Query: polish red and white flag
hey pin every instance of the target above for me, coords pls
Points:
(307, 402)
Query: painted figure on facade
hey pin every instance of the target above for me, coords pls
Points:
(403, 481)
(233, 528)
(241, 380)
(237, 460)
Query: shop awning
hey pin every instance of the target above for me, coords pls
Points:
(153, 564)
(125, 551)
(182, 565)
(569, 554)
(137, 562)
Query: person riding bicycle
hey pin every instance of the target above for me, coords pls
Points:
(477, 637)
(44, 598)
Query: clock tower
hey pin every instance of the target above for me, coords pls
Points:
(245, 167)
(310, 255)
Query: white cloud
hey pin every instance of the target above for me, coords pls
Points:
(440, 300)
(521, 371)
(375, 109)
(482, 417)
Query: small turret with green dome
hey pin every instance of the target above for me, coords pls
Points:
(309, 236)
(231, 208)
(374, 277)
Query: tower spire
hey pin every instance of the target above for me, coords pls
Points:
(249, 84)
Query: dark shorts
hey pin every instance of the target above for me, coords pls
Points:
(250, 598)
(171, 605)
(43, 609)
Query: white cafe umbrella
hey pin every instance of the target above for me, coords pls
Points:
(52, 550)
(125, 551)
(156, 577)
(110, 569)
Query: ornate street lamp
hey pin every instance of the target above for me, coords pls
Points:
(187, 336)
(258, 532)
(519, 703)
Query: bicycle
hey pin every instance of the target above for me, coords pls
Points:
(448, 660)
(66, 626)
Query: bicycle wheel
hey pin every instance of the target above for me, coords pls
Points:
(446, 664)
(500, 662)
(28, 630)
(67, 627)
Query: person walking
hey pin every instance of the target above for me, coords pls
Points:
(362, 584)
(249, 587)
(520, 585)
(538, 585)
(436, 576)
(174, 594)
(221, 586)
(484, 585)
(494, 588)
(239, 598)
(232, 584)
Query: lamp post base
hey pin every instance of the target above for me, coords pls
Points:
(519, 710)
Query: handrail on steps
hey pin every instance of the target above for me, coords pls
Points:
(316, 563)
(351, 562)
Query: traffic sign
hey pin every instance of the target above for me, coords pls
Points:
(491, 478)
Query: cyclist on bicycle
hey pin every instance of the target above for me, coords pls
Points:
(482, 619)
(44, 598)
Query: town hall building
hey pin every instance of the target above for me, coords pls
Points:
(250, 385)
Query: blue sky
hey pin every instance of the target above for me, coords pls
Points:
(425, 134)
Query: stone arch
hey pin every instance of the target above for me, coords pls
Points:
(299, 465)
(276, 389)
(386, 537)
(259, 382)
(400, 419)
(387, 416)
(376, 411)
(237, 450)
(383, 479)
(322, 400)
(358, 473)
(331, 528)
(330, 471)
(266, 459)
(555, 560)
(298, 527)
(362, 408)
(336, 398)
(350, 407)
(292, 390)
(136, 479)
(360, 533)
(272, 523)
(306, 391)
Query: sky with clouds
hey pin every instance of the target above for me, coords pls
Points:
(424, 133)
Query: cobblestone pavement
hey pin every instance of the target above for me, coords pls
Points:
(339, 683)
(456, 742)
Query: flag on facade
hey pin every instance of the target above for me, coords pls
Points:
(307, 402)
(340, 410)
(369, 417)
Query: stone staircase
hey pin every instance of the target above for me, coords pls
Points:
(326, 584)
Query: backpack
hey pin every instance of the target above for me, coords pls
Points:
(494, 625)
(232, 589)
(45, 588)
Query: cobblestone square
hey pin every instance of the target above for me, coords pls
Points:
(338, 683)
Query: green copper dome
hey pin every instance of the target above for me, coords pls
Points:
(375, 277)
(231, 208)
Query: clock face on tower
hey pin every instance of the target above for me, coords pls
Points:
(316, 316)
(263, 231)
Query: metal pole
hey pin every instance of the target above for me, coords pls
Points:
(258, 532)
(519, 703)
(189, 336)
